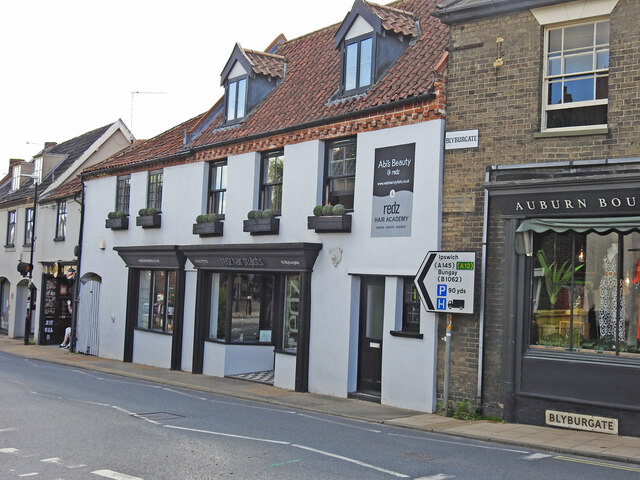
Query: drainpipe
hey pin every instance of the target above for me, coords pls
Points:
(483, 283)
(76, 283)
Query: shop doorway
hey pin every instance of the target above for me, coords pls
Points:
(370, 337)
(5, 302)
(88, 319)
(22, 304)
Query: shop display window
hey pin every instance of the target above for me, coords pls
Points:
(585, 292)
(291, 313)
(156, 300)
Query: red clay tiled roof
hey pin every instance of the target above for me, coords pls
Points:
(308, 91)
(266, 63)
(67, 189)
(394, 19)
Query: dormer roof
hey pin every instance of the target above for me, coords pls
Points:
(380, 17)
(253, 62)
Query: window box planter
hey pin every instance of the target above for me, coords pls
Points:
(329, 223)
(149, 221)
(120, 223)
(262, 226)
(208, 229)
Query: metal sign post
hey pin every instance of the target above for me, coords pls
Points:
(446, 282)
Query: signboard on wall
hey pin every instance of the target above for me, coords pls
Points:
(392, 207)
(461, 139)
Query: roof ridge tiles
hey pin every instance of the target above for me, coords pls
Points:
(392, 9)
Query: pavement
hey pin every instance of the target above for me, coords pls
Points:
(556, 440)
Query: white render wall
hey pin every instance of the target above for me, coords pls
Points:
(408, 376)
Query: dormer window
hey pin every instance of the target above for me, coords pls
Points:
(358, 60)
(371, 38)
(37, 169)
(236, 99)
(15, 181)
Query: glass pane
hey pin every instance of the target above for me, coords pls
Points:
(220, 203)
(555, 66)
(365, 62)
(582, 62)
(273, 197)
(573, 117)
(273, 169)
(350, 166)
(602, 59)
(5, 296)
(291, 312)
(555, 93)
(242, 93)
(231, 101)
(351, 66)
(144, 291)
(159, 299)
(218, 308)
(336, 167)
(602, 33)
(411, 307)
(629, 327)
(252, 306)
(602, 86)
(555, 40)
(579, 89)
(578, 36)
(375, 311)
(171, 299)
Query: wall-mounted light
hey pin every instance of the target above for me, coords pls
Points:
(581, 255)
(102, 244)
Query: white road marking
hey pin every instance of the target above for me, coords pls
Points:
(438, 440)
(135, 415)
(536, 456)
(352, 460)
(266, 440)
(439, 476)
(56, 461)
(11, 451)
(7, 430)
(338, 423)
(115, 475)
(244, 405)
(32, 474)
(183, 393)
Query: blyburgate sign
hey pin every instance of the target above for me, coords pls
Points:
(446, 282)
(581, 422)
(461, 139)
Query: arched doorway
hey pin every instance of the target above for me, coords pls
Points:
(88, 329)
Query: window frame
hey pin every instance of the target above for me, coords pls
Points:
(123, 193)
(264, 186)
(594, 72)
(217, 190)
(29, 222)
(10, 238)
(326, 192)
(409, 326)
(239, 110)
(168, 275)
(154, 189)
(359, 88)
(61, 220)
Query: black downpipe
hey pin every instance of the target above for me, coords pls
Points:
(76, 283)
(132, 302)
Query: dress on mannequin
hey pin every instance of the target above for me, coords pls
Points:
(609, 296)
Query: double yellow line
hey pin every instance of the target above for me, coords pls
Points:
(598, 464)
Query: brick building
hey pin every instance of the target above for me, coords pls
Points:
(548, 199)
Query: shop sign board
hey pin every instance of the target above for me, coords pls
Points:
(461, 139)
(578, 421)
(393, 175)
(446, 282)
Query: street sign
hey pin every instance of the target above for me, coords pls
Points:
(446, 282)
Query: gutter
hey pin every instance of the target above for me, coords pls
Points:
(489, 8)
(483, 284)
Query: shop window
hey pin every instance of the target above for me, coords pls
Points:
(340, 173)
(123, 193)
(11, 229)
(154, 190)
(28, 226)
(576, 76)
(156, 300)
(410, 307)
(291, 319)
(585, 292)
(217, 202)
(61, 220)
(5, 298)
(271, 181)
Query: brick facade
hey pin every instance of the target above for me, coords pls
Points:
(504, 104)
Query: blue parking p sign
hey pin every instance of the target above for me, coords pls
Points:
(442, 290)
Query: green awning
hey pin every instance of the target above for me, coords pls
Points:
(524, 233)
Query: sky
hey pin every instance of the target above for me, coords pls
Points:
(70, 66)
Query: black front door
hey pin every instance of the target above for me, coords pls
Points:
(370, 342)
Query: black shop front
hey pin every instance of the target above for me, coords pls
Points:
(571, 294)
(56, 301)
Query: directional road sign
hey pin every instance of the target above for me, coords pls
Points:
(446, 282)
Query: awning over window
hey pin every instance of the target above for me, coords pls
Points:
(524, 233)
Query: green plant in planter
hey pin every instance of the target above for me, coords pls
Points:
(317, 210)
(252, 214)
(146, 212)
(327, 210)
(116, 214)
(338, 209)
(556, 277)
(207, 218)
(268, 213)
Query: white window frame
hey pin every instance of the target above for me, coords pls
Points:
(547, 78)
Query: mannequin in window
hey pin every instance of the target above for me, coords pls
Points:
(609, 295)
